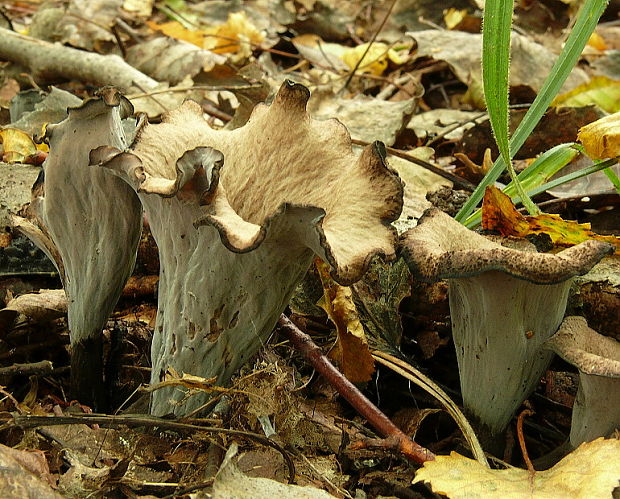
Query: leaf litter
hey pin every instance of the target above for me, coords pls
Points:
(407, 73)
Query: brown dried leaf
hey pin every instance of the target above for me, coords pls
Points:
(351, 351)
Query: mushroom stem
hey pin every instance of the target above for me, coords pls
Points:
(499, 324)
(596, 412)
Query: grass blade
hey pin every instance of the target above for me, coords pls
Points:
(585, 23)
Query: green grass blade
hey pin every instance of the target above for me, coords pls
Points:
(597, 166)
(613, 178)
(539, 172)
(496, 27)
(585, 23)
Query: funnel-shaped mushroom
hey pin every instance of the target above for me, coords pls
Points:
(238, 215)
(596, 412)
(504, 304)
(88, 221)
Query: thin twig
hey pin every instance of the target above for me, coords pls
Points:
(395, 438)
(526, 457)
(461, 182)
(132, 420)
(372, 40)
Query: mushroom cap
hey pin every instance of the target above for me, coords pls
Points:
(591, 352)
(441, 248)
(280, 160)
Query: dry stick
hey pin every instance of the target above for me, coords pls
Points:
(461, 182)
(132, 420)
(42, 368)
(49, 62)
(372, 40)
(394, 437)
(526, 457)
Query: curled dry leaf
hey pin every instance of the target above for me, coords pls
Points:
(601, 138)
(351, 351)
(238, 216)
(499, 214)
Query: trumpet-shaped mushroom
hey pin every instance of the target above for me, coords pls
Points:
(237, 217)
(596, 412)
(88, 222)
(504, 304)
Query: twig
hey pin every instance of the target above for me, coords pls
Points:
(133, 420)
(372, 40)
(42, 368)
(394, 438)
(461, 182)
(526, 457)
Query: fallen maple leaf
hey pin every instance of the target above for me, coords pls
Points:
(592, 471)
(351, 351)
(499, 214)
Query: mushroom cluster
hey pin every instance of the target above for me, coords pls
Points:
(237, 217)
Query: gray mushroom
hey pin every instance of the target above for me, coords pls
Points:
(596, 412)
(88, 222)
(238, 216)
(504, 304)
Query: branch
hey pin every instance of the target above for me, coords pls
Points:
(394, 437)
(48, 62)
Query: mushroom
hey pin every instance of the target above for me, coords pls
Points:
(238, 216)
(88, 222)
(504, 304)
(596, 412)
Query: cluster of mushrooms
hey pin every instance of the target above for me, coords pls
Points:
(238, 215)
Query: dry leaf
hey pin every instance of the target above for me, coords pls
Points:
(590, 472)
(600, 90)
(175, 29)
(17, 145)
(375, 59)
(601, 138)
(236, 36)
(351, 351)
(499, 214)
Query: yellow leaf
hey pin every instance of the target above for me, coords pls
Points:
(176, 30)
(17, 145)
(351, 351)
(236, 35)
(597, 42)
(601, 138)
(590, 472)
(376, 59)
(600, 90)
(453, 17)
(499, 214)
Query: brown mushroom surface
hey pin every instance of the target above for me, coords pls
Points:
(238, 216)
(596, 412)
(504, 304)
